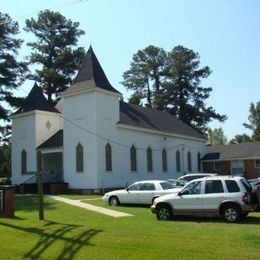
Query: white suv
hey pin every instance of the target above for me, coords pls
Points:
(227, 196)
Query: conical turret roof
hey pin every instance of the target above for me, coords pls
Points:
(91, 75)
(36, 101)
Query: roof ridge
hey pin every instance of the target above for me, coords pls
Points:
(91, 70)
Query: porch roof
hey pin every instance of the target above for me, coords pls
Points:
(54, 141)
(232, 152)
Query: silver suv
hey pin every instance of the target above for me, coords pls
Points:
(227, 196)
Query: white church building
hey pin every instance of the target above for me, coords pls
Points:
(92, 140)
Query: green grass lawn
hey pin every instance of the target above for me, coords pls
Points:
(73, 233)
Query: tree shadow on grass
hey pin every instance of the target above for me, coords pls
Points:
(30, 203)
(55, 232)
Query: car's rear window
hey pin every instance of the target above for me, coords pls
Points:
(232, 186)
(246, 185)
(166, 185)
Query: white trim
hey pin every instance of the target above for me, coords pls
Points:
(1, 200)
(164, 134)
(51, 150)
(78, 90)
(234, 162)
(34, 112)
(255, 164)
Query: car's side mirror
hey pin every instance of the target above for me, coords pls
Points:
(184, 192)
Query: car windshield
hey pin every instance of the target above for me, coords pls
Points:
(166, 185)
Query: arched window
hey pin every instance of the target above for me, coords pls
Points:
(189, 161)
(198, 159)
(24, 162)
(108, 157)
(149, 159)
(79, 158)
(178, 161)
(133, 159)
(164, 160)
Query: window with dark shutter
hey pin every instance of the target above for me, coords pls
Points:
(108, 157)
(24, 162)
(189, 161)
(178, 161)
(149, 160)
(133, 159)
(79, 158)
(198, 162)
(164, 160)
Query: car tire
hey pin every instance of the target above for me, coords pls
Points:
(114, 201)
(231, 213)
(164, 212)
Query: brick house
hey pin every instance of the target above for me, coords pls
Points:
(236, 159)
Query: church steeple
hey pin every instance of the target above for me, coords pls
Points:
(35, 101)
(91, 72)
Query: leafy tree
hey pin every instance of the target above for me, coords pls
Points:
(184, 95)
(12, 72)
(254, 121)
(216, 136)
(5, 159)
(145, 73)
(54, 52)
(135, 99)
(244, 138)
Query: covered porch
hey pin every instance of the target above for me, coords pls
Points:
(50, 158)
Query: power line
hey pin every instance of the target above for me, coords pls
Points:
(52, 8)
(121, 144)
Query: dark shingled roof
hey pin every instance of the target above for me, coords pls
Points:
(54, 141)
(142, 117)
(153, 119)
(36, 101)
(232, 151)
(91, 70)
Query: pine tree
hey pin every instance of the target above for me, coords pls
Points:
(145, 75)
(55, 51)
(184, 95)
(12, 72)
(172, 82)
(254, 121)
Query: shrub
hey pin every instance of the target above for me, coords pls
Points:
(5, 181)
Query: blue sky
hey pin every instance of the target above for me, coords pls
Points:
(225, 33)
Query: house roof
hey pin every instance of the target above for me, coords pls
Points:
(91, 75)
(54, 141)
(232, 151)
(36, 101)
(153, 119)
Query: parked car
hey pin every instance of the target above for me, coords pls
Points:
(192, 176)
(254, 182)
(176, 183)
(227, 196)
(141, 192)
